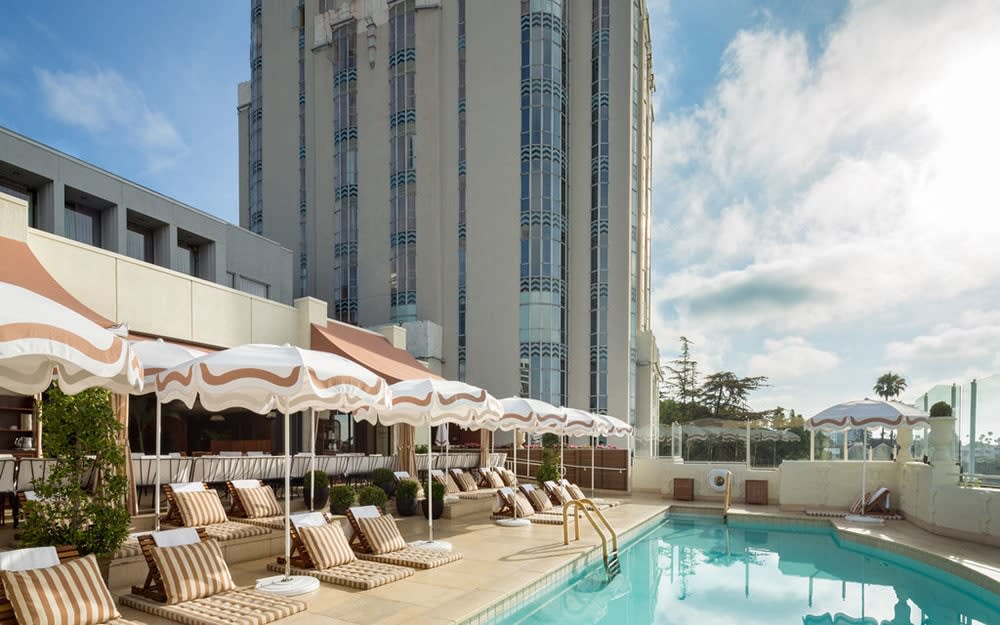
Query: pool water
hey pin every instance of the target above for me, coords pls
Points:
(701, 571)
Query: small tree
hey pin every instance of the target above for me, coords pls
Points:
(81, 433)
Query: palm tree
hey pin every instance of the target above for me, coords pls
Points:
(889, 385)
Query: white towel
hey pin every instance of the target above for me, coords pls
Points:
(308, 519)
(401, 475)
(246, 483)
(174, 538)
(365, 512)
(187, 487)
(28, 559)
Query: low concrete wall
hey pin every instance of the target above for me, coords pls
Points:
(833, 484)
(657, 475)
(962, 512)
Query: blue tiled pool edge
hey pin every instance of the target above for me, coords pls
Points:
(518, 598)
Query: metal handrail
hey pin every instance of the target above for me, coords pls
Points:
(729, 492)
(581, 504)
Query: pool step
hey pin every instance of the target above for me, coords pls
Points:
(613, 567)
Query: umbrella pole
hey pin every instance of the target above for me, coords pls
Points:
(156, 493)
(288, 500)
(864, 472)
(562, 467)
(593, 444)
(430, 490)
(312, 461)
(515, 471)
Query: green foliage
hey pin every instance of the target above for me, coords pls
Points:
(682, 383)
(342, 497)
(941, 409)
(420, 449)
(726, 394)
(321, 479)
(549, 469)
(438, 491)
(372, 496)
(550, 440)
(382, 475)
(889, 385)
(81, 432)
(407, 490)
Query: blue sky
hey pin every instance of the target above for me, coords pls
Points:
(824, 203)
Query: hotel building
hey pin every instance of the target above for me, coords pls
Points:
(476, 171)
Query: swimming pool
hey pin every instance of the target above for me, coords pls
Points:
(701, 571)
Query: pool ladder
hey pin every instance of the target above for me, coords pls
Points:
(612, 565)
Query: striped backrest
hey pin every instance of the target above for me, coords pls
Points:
(465, 481)
(72, 593)
(326, 545)
(539, 500)
(574, 491)
(450, 487)
(508, 477)
(494, 480)
(259, 502)
(382, 534)
(192, 571)
(524, 507)
(198, 508)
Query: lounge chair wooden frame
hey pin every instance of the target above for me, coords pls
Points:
(412, 557)
(153, 588)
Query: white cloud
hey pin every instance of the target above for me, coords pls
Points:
(973, 340)
(807, 191)
(102, 102)
(791, 358)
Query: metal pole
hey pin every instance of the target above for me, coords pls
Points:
(430, 490)
(748, 444)
(864, 473)
(972, 428)
(288, 498)
(593, 444)
(312, 461)
(628, 463)
(156, 493)
(812, 444)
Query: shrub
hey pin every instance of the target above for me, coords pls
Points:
(372, 496)
(549, 469)
(382, 475)
(407, 490)
(81, 432)
(420, 449)
(341, 498)
(550, 440)
(438, 491)
(321, 478)
(941, 409)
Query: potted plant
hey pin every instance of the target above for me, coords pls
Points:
(437, 497)
(384, 479)
(941, 409)
(82, 433)
(549, 469)
(406, 497)
(342, 497)
(315, 489)
(372, 496)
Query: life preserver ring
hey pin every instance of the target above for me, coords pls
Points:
(717, 480)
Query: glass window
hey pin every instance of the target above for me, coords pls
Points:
(82, 224)
(187, 259)
(252, 287)
(139, 243)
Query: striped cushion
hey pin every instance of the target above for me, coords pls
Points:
(562, 494)
(524, 507)
(382, 534)
(508, 477)
(466, 482)
(192, 571)
(575, 491)
(259, 502)
(66, 594)
(327, 545)
(494, 480)
(539, 500)
(450, 487)
(200, 508)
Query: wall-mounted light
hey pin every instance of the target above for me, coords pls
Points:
(217, 418)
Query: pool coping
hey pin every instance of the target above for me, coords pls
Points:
(517, 599)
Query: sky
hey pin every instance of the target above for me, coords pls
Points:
(823, 172)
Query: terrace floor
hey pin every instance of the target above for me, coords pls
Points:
(504, 565)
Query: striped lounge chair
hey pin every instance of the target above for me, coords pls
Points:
(376, 538)
(514, 504)
(254, 503)
(576, 493)
(202, 507)
(320, 549)
(71, 588)
(189, 582)
(469, 487)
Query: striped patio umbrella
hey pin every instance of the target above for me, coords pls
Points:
(42, 340)
(262, 378)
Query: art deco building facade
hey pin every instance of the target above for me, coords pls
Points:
(477, 170)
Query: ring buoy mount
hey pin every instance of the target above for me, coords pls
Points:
(717, 480)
